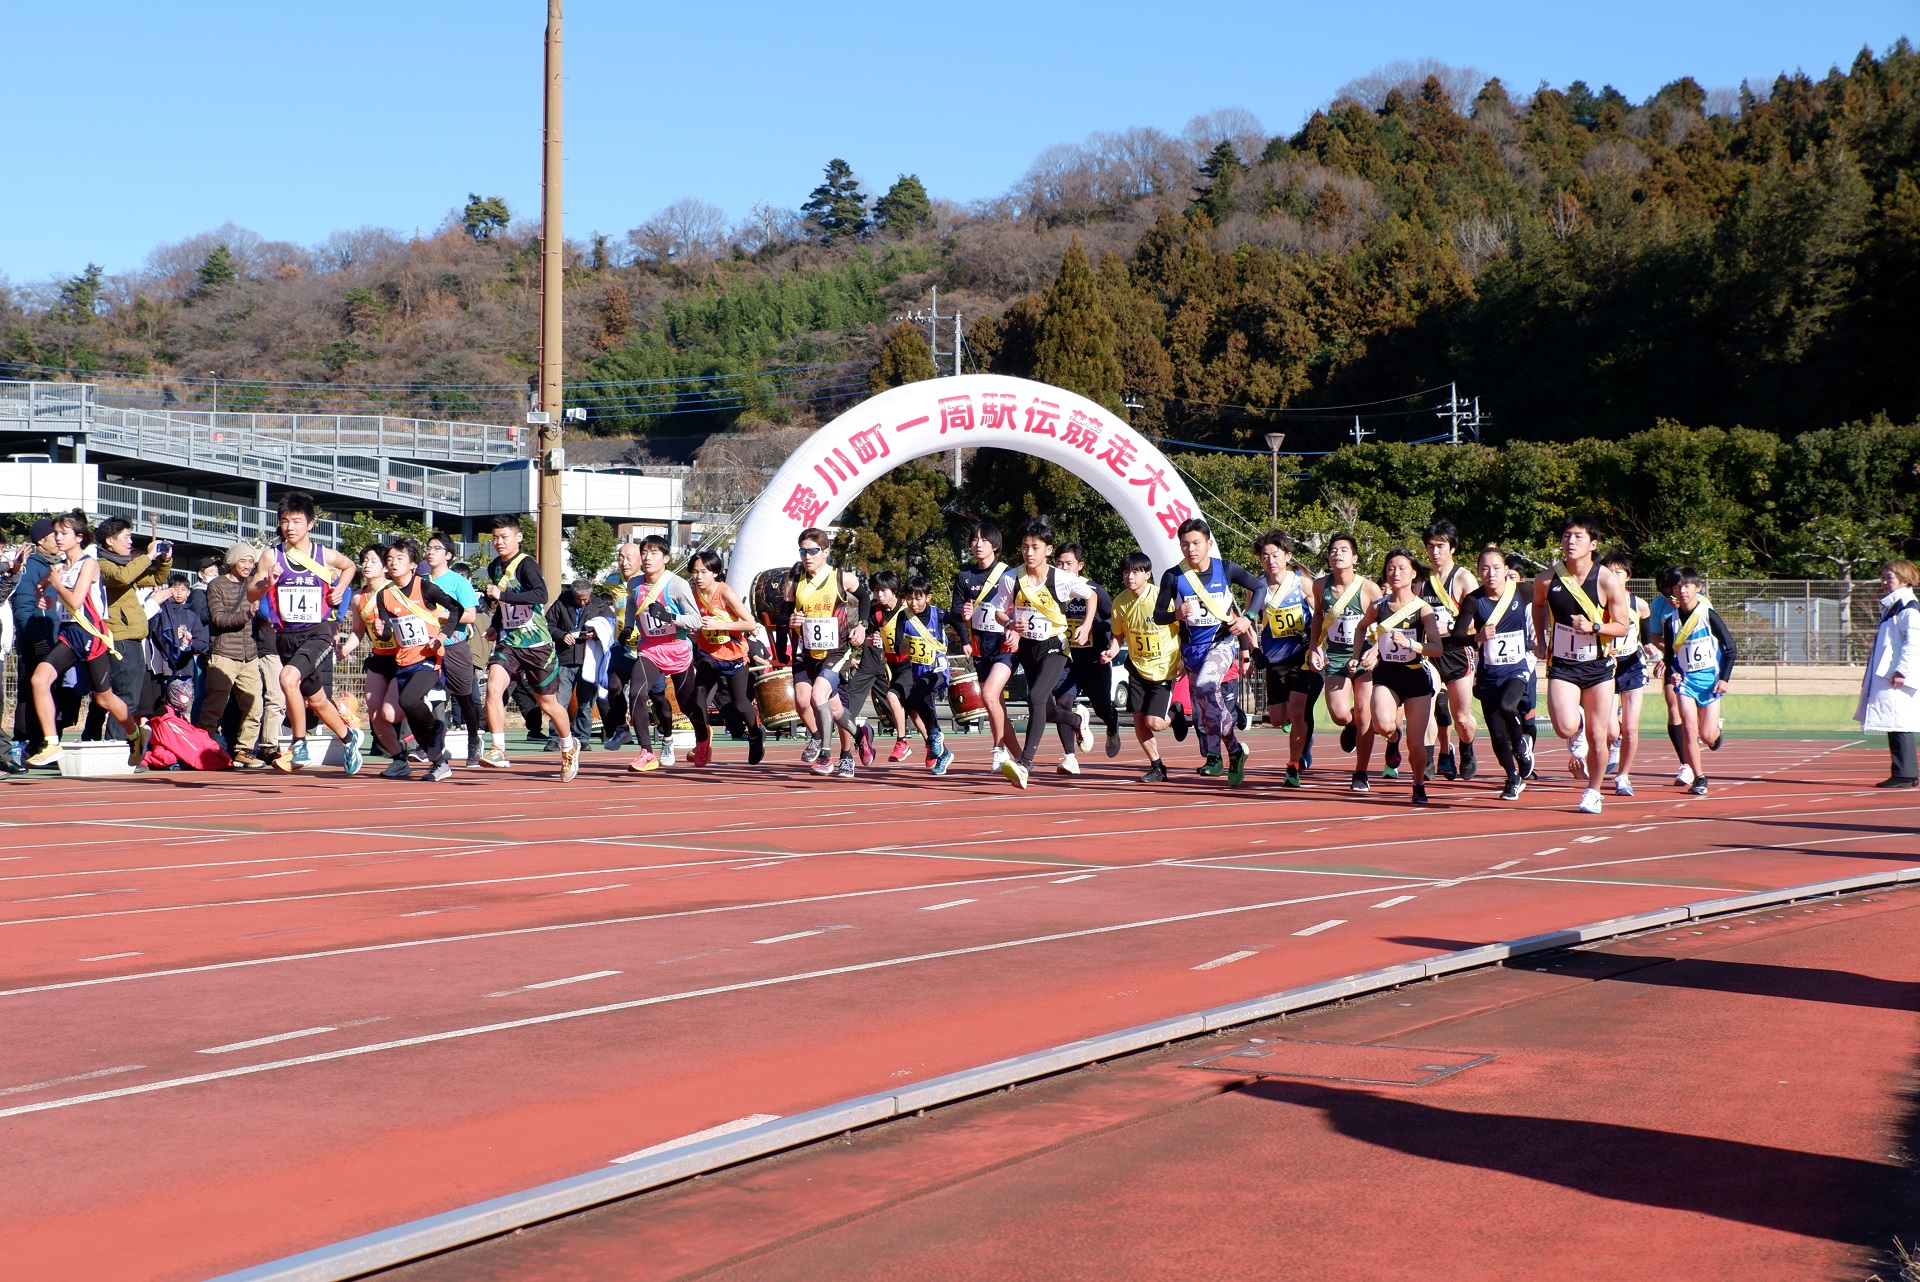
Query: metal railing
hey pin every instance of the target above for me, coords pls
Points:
(191, 519)
(1794, 621)
(46, 407)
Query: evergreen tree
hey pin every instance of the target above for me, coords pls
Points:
(80, 295)
(1077, 344)
(484, 216)
(904, 358)
(904, 207)
(837, 206)
(216, 270)
(591, 548)
(1222, 171)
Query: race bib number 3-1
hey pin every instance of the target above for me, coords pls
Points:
(301, 604)
(1505, 649)
(1574, 647)
(1394, 647)
(820, 634)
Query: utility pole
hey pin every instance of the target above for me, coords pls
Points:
(1274, 441)
(932, 320)
(1360, 433)
(1455, 413)
(552, 457)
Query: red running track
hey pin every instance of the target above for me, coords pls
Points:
(249, 1016)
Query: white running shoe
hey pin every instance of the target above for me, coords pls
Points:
(1613, 756)
(1577, 755)
(1683, 777)
(1622, 786)
(1014, 771)
(1082, 728)
(1590, 801)
(999, 756)
(666, 754)
(1069, 765)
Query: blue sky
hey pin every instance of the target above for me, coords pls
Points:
(133, 125)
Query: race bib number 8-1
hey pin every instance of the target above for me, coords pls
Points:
(301, 604)
(820, 634)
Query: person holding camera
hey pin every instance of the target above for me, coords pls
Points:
(123, 574)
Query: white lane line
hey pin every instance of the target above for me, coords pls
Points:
(1647, 828)
(288, 872)
(111, 956)
(62, 1081)
(1305, 831)
(1388, 903)
(1083, 876)
(430, 912)
(81, 894)
(1590, 840)
(268, 1041)
(951, 903)
(781, 939)
(1228, 960)
(1325, 925)
(1550, 850)
(772, 863)
(588, 890)
(711, 1133)
(557, 983)
(1511, 863)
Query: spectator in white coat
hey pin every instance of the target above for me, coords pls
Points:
(1890, 691)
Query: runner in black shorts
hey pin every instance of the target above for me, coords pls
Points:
(1443, 587)
(983, 636)
(523, 647)
(1578, 606)
(1402, 634)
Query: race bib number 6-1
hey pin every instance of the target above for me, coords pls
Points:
(1039, 627)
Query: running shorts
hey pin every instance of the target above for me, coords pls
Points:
(1148, 698)
(1404, 680)
(1698, 687)
(533, 666)
(65, 658)
(1454, 662)
(1629, 673)
(1584, 675)
(379, 665)
(309, 651)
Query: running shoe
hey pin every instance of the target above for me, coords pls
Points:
(811, 753)
(941, 762)
(756, 746)
(1515, 785)
(863, 737)
(10, 759)
(1349, 738)
(1156, 772)
(1237, 766)
(1447, 769)
(1715, 745)
(475, 761)
(1683, 776)
(247, 761)
(1015, 770)
(703, 752)
(350, 758)
(495, 758)
(1293, 777)
(643, 761)
(1419, 797)
(823, 764)
(1359, 783)
(441, 772)
(1242, 719)
(1212, 767)
(1613, 756)
(1622, 786)
(1523, 754)
(936, 745)
(1393, 758)
(999, 756)
(418, 756)
(845, 770)
(1590, 801)
(1113, 742)
(1577, 755)
(569, 763)
(398, 768)
(1699, 788)
(1181, 723)
(297, 759)
(666, 753)
(1082, 728)
(901, 751)
(618, 739)
(1069, 765)
(1468, 766)
(1306, 758)
(48, 755)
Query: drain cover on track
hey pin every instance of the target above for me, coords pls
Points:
(1342, 1062)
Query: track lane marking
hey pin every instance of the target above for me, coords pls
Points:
(1397, 899)
(555, 983)
(67, 1081)
(951, 903)
(268, 1041)
(711, 1133)
(1325, 925)
(1228, 960)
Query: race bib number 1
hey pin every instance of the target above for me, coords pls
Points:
(1574, 647)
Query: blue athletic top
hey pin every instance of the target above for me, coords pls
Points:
(1200, 627)
(1286, 618)
(1508, 653)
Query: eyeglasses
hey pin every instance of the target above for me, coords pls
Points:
(811, 551)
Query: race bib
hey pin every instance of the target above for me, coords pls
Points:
(922, 650)
(409, 631)
(1145, 646)
(820, 633)
(1443, 617)
(514, 616)
(303, 603)
(1039, 626)
(1505, 649)
(1342, 630)
(653, 625)
(1574, 647)
(1698, 654)
(1287, 620)
(1194, 612)
(1394, 647)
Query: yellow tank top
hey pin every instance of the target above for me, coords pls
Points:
(817, 604)
(1150, 646)
(368, 603)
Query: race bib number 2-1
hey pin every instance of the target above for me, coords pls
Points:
(1505, 649)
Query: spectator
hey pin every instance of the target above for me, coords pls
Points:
(122, 574)
(1890, 690)
(233, 663)
(176, 640)
(567, 619)
(33, 638)
(273, 699)
(203, 578)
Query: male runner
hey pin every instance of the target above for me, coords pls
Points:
(1345, 597)
(1442, 587)
(83, 640)
(1659, 610)
(302, 584)
(409, 609)
(993, 654)
(456, 659)
(829, 609)
(1630, 660)
(523, 647)
(721, 655)
(1152, 652)
(1700, 655)
(614, 731)
(1578, 605)
(1284, 606)
(920, 657)
(1495, 619)
(1198, 594)
(1092, 679)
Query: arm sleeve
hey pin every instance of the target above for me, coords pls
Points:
(1258, 601)
(1725, 639)
(1163, 604)
(529, 585)
(1466, 615)
(863, 601)
(1104, 603)
(680, 599)
(1242, 579)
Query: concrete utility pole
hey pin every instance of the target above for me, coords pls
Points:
(932, 320)
(552, 267)
(1274, 441)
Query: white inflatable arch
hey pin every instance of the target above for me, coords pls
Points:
(990, 411)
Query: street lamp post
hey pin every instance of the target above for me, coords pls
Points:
(214, 374)
(1274, 441)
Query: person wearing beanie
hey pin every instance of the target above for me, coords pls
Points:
(233, 669)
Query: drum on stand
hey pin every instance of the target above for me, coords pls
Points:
(968, 705)
(773, 693)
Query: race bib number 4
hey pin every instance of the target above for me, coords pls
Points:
(1505, 649)
(1574, 647)
(301, 604)
(1343, 629)
(820, 634)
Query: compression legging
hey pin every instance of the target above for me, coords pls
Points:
(427, 730)
(1046, 702)
(1094, 679)
(923, 701)
(1506, 717)
(736, 689)
(645, 705)
(1213, 707)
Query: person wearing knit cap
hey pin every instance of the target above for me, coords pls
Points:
(233, 668)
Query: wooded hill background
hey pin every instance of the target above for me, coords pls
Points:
(1596, 271)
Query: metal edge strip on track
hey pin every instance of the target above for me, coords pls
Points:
(359, 1256)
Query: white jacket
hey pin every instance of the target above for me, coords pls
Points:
(1896, 648)
(598, 652)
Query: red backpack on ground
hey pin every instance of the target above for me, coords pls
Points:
(177, 741)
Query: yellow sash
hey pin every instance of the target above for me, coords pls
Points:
(313, 567)
(1042, 600)
(1223, 613)
(993, 578)
(1395, 619)
(414, 607)
(1586, 603)
(1439, 590)
(1500, 607)
(932, 648)
(1338, 608)
(1695, 621)
(87, 625)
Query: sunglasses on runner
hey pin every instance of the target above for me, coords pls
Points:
(811, 551)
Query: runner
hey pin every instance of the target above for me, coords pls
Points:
(1029, 608)
(1198, 594)
(456, 656)
(720, 655)
(378, 668)
(1403, 634)
(1442, 588)
(1345, 598)
(1577, 606)
(522, 647)
(921, 671)
(866, 674)
(1152, 652)
(1493, 618)
(1630, 659)
(993, 654)
(1284, 606)
(1660, 609)
(410, 607)
(82, 639)
(302, 584)
(1090, 678)
(1700, 659)
(830, 605)
(893, 636)
(614, 731)
(661, 613)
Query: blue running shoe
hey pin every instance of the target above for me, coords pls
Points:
(299, 755)
(941, 762)
(350, 752)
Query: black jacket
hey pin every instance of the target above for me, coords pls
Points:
(568, 615)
